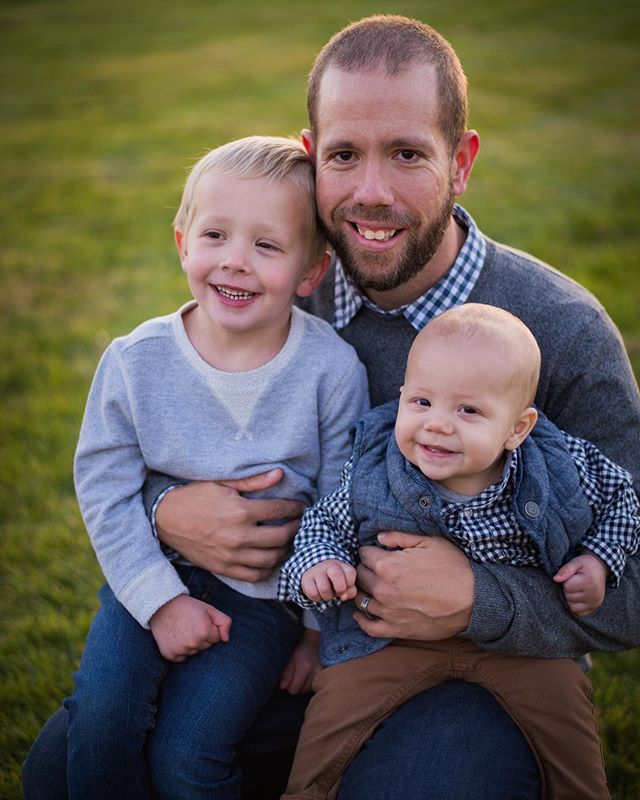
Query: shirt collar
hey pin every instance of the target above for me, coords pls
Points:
(451, 290)
(500, 490)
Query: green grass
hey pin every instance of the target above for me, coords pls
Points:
(103, 107)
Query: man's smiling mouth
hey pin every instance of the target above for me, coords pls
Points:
(379, 235)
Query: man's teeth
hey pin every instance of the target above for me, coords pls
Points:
(233, 294)
(380, 236)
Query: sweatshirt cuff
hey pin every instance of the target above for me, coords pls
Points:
(150, 590)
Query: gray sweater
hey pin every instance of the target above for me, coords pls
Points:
(156, 404)
(586, 387)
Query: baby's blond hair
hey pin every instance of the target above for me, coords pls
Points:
(505, 334)
(276, 158)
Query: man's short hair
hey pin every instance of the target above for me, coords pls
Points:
(276, 158)
(396, 42)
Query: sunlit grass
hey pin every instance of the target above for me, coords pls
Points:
(104, 106)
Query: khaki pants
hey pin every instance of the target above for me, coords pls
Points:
(550, 700)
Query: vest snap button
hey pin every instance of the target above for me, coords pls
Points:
(424, 502)
(343, 647)
(532, 509)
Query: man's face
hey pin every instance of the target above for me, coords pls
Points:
(384, 172)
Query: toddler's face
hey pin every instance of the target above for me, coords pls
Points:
(246, 252)
(457, 413)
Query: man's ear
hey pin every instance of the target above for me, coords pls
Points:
(522, 428)
(464, 158)
(181, 242)
(307, 142)
(314, 274)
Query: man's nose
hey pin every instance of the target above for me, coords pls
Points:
(373, 186)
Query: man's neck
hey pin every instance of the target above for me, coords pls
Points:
(442, 261)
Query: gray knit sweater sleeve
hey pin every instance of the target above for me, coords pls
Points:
(587, 388)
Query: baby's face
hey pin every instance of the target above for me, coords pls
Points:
(457, 413)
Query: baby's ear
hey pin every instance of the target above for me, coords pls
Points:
(313, 276)
(523, 427)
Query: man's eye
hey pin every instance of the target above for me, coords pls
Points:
(408, 155)
(344, 156)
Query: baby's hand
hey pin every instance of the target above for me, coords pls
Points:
(585, 580)
(304, 664)
(329, 579)
(184, 626)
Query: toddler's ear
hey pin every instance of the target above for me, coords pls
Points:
(181, 242)
(522, 428)
(314, 274)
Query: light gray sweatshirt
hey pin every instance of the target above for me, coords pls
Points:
(156, 404)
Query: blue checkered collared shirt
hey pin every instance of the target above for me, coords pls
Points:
(451, 290)
(483, 526)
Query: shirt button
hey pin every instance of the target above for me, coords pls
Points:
(532, 509)
(424, 502)
(468, 512)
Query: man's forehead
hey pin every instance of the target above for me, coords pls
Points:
(401, 106)
(338, 79)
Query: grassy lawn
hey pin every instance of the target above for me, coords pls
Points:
(104, 105)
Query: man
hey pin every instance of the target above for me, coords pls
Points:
(387, 108)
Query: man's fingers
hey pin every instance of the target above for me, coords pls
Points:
(275, 508)
(255, 483)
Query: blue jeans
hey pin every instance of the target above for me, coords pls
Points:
(141, 726)
(453, 742)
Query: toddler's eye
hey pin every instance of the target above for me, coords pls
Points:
(469, 410)
(267, 246)
(422, 401)
(213, 235)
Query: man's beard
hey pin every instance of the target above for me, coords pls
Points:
(419, 249)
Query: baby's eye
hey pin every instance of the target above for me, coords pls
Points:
(422, 401)
(468, 410)
(268, 246)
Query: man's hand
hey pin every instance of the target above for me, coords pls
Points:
(184, 626)
(213, 526)
(424, 591)
(329, 579)
(584, 580)
(304, 664)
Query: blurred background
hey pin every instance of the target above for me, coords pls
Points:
(103, 108)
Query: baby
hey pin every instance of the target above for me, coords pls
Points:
(464, 454)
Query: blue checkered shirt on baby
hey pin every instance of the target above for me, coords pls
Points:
(327, 530)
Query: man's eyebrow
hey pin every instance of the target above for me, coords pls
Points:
(400, 143)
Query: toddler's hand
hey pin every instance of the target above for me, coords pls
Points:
(584, 580)
(304, 664)
(184, 626)
(329, 579)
